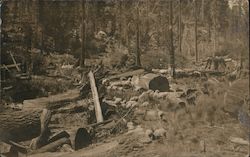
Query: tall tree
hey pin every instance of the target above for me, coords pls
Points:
(196, 34)
(172, 53)
(180, 26)
(83, 32)
(138, 55)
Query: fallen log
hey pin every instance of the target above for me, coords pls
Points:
(19, 125)
(98, 110)
(52, 146)
(51, 101)
(96, 151)
(151, 81)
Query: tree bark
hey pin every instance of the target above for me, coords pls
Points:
(20, 125)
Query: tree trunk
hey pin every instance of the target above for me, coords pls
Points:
(82, 57)
(20, 125)
(138, 55)
(172, 55)
(180, 31)
(196, 44)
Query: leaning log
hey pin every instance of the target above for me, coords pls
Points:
(42, 139)
(151, 81)
(19, 125)
(98, 110)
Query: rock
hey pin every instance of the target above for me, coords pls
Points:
(138, 130)
(120, 88)
(130, 126)
(145, 140)
(151, 115)
(105, 81)
(123, 105)
(4, 148)
(143, 97)
(149, 133)
(117, 100)
(139, 112)
(145, 104)
(131, 104)
(160, 114)
(158, 133)
(134, 98)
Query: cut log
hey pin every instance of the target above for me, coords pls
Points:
(98, 110)
(79, 138)
(19, 125)
(127, 74)
(151, 81)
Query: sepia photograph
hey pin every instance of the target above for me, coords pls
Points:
(124, 78)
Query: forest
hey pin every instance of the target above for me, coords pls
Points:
(124, 78)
